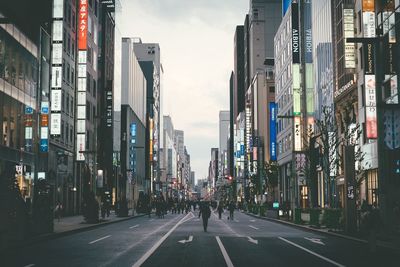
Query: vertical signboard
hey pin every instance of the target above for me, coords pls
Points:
(295, 33)
(44, 127)
(132, 147)
(56, 70)
(348, 32)
(297, 134)
(272, 130)
(82, 81)
(28, 128)
(308, 58)
(369, 69)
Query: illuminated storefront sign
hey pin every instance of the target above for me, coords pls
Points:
(272, 130)
(82, 25)
(44, 127)
(296, 90)
(132, 144)
(349, 48)
(370, 106)
(28, 128)
(369, 69)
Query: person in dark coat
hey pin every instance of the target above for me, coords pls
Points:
(205, 213)
(231, 208)
(220, 209)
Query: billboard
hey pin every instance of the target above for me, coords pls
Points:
(308, 46)
(82, 25)
(272, 130)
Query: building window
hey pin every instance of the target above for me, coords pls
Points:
(67, 103)
(372, 187)
(272, 89)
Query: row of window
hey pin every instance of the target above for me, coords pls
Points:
(17, 66)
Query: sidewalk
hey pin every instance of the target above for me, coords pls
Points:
(392, 244)
(76, 223)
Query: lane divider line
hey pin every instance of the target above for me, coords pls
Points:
(30, 265)
(255, 228)
(156, 245)
(224, 253)
(97, 240)
(137, 225)
(311, 252)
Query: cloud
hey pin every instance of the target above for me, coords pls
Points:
(196, 40)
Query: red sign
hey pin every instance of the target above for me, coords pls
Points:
(82, 25)
(44, 120)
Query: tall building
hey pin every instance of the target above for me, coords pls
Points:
(148, 55)
(238, 72)
(133, 125)
(323, 90)
(264, 20)
(224, 121)
(25, 58)
(168, 156)
(106, 96)
(293, 75)
(62, 118)
(213, 174)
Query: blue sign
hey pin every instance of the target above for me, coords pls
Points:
(45, 110)
(28, 110)
(242, 150)
(133, 129)
(285, 6)
(44, 145)
(272, 130)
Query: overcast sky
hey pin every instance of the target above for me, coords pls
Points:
(196, 41)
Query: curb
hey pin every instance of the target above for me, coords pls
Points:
(51, 236)
(310, 229)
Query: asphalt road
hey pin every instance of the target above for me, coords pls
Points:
(179, 240)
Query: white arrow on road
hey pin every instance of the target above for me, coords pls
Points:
(315, 240)
(251, 240)
(186, 241)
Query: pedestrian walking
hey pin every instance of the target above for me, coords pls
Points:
(58, 211)
(231, 208)
(205, 213)
(220, 210)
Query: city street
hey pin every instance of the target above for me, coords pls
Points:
(179, 240)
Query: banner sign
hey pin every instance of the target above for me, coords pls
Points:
(272, 130)
(295, 33)
(82, 24)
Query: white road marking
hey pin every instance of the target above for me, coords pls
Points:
(151, 220)
(236, 220)
(311, 252)
(255, 228)
(137, 225)
(252, 220)
(97, 240)
(191, 217)
(186, 241)
(30, 265)
(251, 240)
(224, 253)
(315, 240)
(156, 245)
